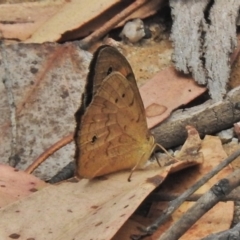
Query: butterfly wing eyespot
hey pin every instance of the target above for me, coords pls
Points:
(94, 139)
(112, 134)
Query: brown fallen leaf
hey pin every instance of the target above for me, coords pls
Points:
(37, 22)
(48, 21)
(103, 204)
(76, 13)
(170, 90)
(27, 17)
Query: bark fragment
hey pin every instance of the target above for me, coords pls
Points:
(220, 42)
(188, 20)
(203, 44)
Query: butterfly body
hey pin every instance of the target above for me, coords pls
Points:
(112, 134)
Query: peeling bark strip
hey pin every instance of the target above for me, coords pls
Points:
(220, 41)
(206, 57)
(188, 22)
(207, 118)
(7, 81)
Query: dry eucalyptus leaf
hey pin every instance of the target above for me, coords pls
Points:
(68, 210)
(46, 21)
(102, 204)
(49, 20)
(166, 91)
(73, 15)
(27, 17)
(47, 82)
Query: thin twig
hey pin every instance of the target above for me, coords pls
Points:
(56, 146)
(166, 197)
(96, 35)
(203, 205)
(175, 204)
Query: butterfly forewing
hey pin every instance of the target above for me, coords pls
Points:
(111, 132)
(106, 60)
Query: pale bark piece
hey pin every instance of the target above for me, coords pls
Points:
(220, 42)
(207, 118)
(47, 83)
(188, 23)
(165, 92)
(69, 210)
(203, 47)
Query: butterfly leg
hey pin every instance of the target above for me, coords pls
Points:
(140, 162)
(162, 148)
(137, 165)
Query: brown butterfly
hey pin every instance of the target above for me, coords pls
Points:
(111, 132)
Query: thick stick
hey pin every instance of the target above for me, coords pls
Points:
(203, 205)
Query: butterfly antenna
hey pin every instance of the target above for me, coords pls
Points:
(132, 170)
(161, 147)
(156, 144)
